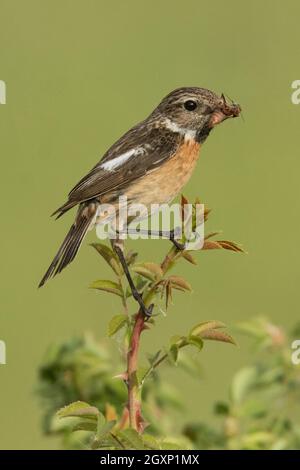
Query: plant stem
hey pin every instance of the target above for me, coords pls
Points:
(134, 389)
(134, 395)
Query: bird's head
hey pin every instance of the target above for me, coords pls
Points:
(195, 110)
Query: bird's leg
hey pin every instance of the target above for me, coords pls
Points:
(118, 246)
(170, 234)
(179, 246)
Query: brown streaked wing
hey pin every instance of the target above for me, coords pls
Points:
(159, 144)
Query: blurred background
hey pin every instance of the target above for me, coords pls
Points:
(78, 75)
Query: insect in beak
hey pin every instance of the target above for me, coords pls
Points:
(224, 111)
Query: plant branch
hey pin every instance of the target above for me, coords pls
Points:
(134, 402)
(134, 390)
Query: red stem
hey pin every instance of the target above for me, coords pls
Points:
(136, 420)
(134, 399)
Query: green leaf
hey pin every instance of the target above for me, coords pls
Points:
(116, 323)
(195, 341)
(242, 383)
(85, 426)
(167, 445)
(173, 353)
(144, 272)
(155, 269)
(100, 421)
(177, 339)
(258, 440)
(150, 442)
(109, 256)
(103, 430)
(151, 271)
(255, 328)
(107, 286)
(114, 442)
(132, 438)
(206, 325)
(253, 408)
(78, 409)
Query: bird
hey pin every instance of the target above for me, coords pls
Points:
(149, 164)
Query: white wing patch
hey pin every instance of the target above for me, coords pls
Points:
(110, 165)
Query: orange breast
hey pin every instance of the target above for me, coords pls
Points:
(165, 182)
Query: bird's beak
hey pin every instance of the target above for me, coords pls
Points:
(224, 111)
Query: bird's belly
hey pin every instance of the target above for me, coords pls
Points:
(161, 185)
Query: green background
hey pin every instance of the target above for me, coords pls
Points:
(79, 74)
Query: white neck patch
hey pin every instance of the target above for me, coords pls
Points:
(189, 134)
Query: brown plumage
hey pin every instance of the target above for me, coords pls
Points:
(150, 164)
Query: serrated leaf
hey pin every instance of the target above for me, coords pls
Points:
(85, 426)
(206, 325)
(103, 430)
(144, 272)
(227, 245)
(222, 244)
(150, 442)
(166, 445)
(151, 271)
(180, 283)
(107, 286)
(109, 256)
(195, 341)
(132, 438)
(78, 409)
(211, 245)
(155, 269)
(216, 335)
(116, 323)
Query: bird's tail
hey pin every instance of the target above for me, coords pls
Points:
(71, 243)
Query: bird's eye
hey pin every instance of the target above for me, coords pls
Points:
(190, 105)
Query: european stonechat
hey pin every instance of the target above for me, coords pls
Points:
(148, 165)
